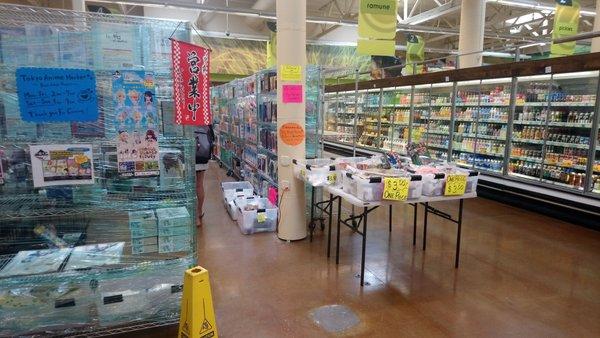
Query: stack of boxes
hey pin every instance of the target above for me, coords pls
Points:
(144, 232)
(164, 230)
(174, 229)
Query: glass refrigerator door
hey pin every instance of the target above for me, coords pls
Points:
(346, 114)
(438, 122)
(464, 139)
(396, 112)
(529, 127)
(492, 124)
(420, 114)
(569, 120)
(370, 136)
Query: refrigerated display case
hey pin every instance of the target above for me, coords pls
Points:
(539, 129)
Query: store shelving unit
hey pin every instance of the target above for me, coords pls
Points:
(138, 286)
(248, 128)
(540, 129)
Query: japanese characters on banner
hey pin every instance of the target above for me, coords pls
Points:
(136, 120)
(191, 83)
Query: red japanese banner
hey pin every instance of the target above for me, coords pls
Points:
(191, 83)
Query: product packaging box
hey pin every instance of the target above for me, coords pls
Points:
(142, 224)
(174, 243)
(174, 231)
(143, 245)
(173, 217)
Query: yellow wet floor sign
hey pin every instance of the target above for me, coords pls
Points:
(197, 319)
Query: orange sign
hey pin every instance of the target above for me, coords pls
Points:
(291, 134)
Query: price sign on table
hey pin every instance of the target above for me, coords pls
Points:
(331, 178)
(395, 188)
(455, 185)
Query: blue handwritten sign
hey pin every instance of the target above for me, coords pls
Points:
(56, 94)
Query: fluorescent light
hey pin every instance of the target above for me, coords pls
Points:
(537, 6)
(533, 45)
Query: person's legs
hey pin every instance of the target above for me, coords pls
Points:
(200, 195)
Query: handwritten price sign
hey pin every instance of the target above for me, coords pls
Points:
(455, 185)
(331, 178)
(395, 189)
(261, 217)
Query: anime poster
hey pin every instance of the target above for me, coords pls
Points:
(136, 120)
(61, 164)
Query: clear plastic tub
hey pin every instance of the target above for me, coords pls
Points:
(232, 190)
(316, 172)
(472, 182)
(232, 210)
(262, 218)
(435, 184)
(370, 189)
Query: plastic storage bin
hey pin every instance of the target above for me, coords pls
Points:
(316, 172)
(262, 218)
(370, 189)
(472, 182)
(435, 184)
(232, 190)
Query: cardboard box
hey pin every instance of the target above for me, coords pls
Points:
(143, 224)
(142, 249)
(174, 231)
(174, 243)
(173, 217)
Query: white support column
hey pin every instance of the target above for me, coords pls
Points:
(78, 5)
(291, 50)
(596, 41)
(472, 24)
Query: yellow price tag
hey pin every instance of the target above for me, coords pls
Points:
(302, 173)
(331, 178)
(291, 73)
(455, 185)
(261, 217)
(395, 188)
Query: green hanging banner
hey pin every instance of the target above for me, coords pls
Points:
(415, 54)
(566, 23)
(272, 51)
(377, 27)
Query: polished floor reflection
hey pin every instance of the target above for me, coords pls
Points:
(522, 275)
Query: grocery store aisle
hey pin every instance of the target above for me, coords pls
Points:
(521, 274)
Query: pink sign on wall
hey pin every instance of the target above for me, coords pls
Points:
(292, 93)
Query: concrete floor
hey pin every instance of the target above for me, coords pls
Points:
(522, 275)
